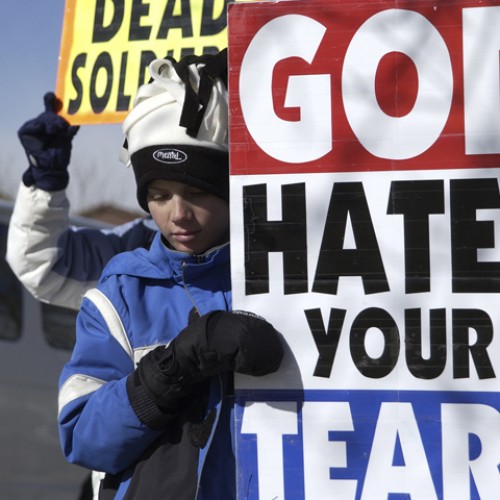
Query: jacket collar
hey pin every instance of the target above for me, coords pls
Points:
(163, 262)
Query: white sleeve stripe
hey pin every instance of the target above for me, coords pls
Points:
(75, 387)
(112, 319)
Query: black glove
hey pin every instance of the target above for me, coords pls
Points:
(157, 394)
(220, 341)
(47, 142)
(217, 342)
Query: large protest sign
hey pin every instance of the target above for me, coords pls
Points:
(365, 224)
(107, 46)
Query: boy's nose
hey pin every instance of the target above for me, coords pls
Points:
(180, 209)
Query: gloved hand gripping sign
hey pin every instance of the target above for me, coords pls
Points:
(47, 141)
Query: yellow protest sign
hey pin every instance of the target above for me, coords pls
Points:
(107, 45)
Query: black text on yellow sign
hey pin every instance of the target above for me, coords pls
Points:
(107, 46)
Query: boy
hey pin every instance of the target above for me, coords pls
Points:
(157, 419)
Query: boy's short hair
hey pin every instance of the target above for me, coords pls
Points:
(178, 127)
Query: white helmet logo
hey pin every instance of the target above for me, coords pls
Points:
(170, 156)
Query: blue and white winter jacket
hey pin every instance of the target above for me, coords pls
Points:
(58, 262)
(142, 300)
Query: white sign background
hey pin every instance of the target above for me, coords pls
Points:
(389, 386)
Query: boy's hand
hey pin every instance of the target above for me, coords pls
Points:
(217, 342)
(220, 341)
(47, 142)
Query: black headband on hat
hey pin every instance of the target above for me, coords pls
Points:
(202, 167)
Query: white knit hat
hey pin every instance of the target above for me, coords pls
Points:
(178, 127)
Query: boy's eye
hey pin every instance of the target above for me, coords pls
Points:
(158, 196)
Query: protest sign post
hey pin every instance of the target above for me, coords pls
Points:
(365, 223)
(107, 46)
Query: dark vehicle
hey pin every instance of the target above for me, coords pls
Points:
(35, 341)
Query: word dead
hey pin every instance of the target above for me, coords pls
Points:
(114, 69)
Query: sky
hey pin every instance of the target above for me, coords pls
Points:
(30, 32)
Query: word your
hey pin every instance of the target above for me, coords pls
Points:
(429, 367)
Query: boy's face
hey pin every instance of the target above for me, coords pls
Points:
(191, 220)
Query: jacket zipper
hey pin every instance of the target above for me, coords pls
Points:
(200, 259)
(186, 289)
